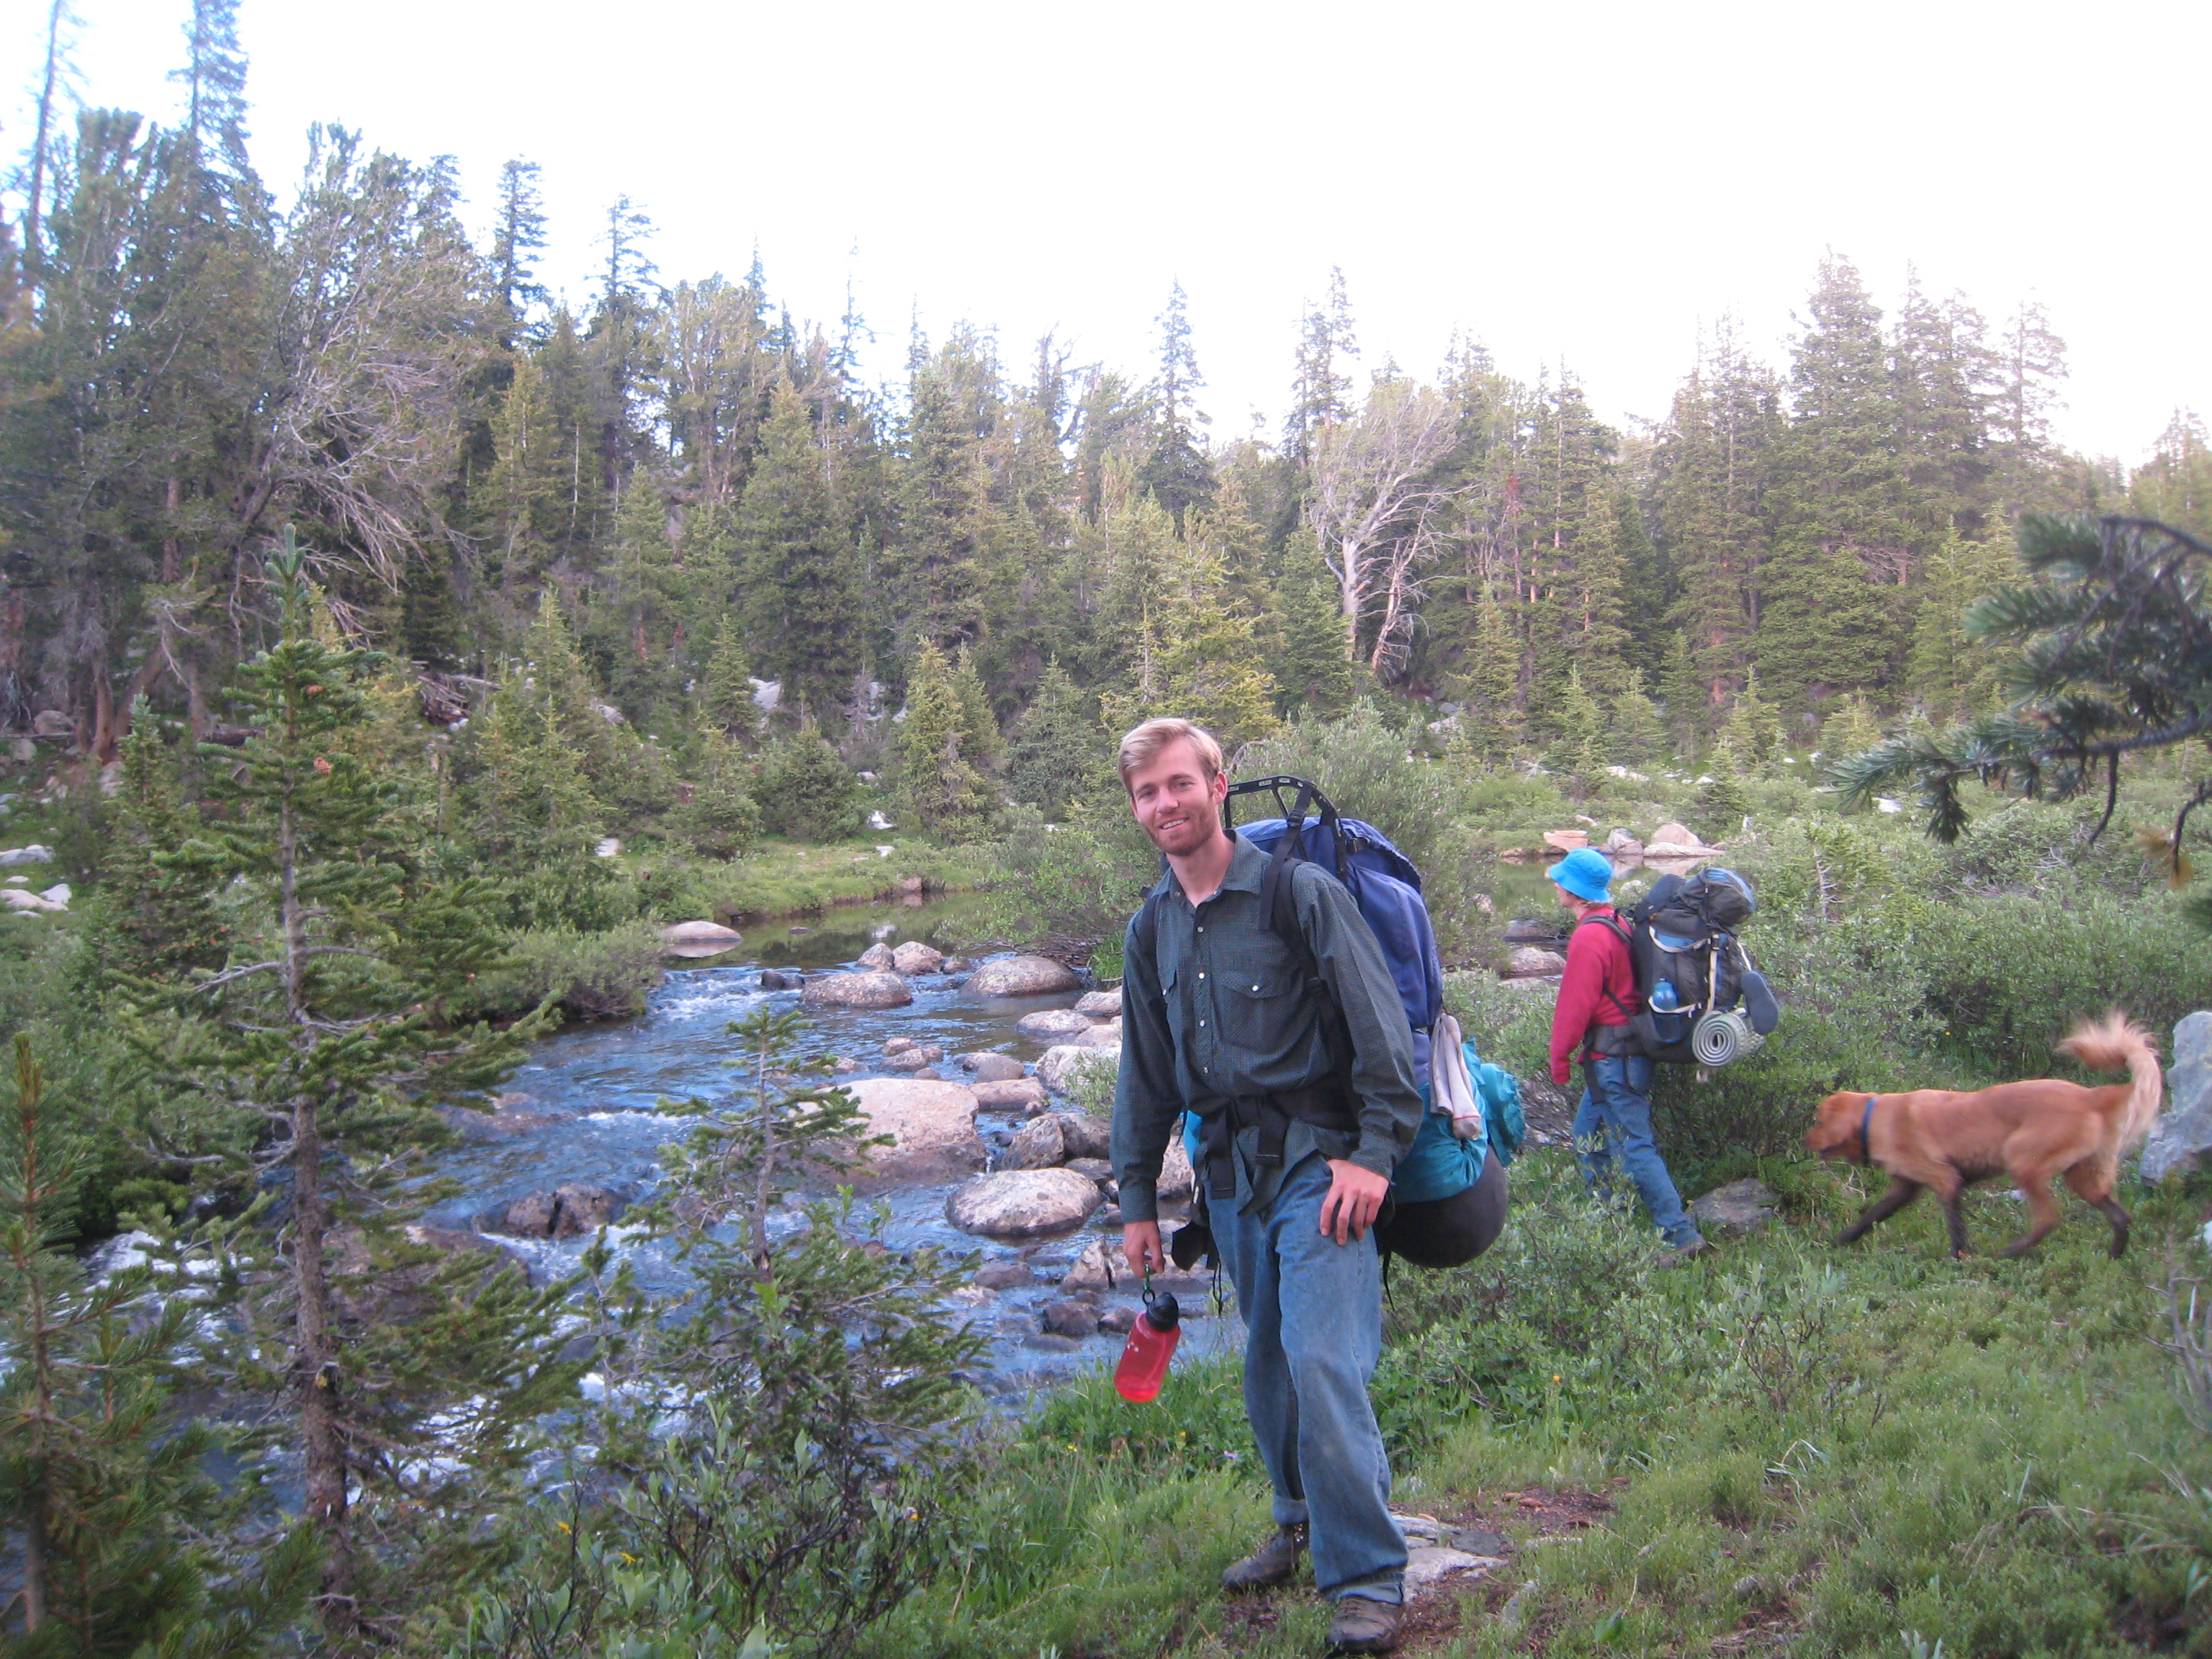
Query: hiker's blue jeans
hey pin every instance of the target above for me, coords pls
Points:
(1313, 1324)
(1614, 1125)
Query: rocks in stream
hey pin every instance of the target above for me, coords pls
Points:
(1023, 1203)
(1022, 976)
(931, 1124)
(570, 1209)
(1105, 1036)
(694, 939)
(993, 1068)
(1066, 1063)
(1100, 1005)
(1071, 1317)
(876, 959)
(1005, 1275)
(915, 957)
(884, 990)
(1054, 1024)
(1024, 1095)
(915, 1059)
(1040, 1144)
(774, 978)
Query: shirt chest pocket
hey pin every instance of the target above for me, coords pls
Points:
(1259, 1007)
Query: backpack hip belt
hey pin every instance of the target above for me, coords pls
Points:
(1326, 1105)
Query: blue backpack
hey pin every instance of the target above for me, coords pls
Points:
(1387, 887)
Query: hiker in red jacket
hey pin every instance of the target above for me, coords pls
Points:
(1596, 997)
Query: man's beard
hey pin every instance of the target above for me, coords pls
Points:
(1186, 837)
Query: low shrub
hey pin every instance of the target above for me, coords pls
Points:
(603, 975)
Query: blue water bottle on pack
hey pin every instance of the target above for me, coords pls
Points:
(1663, 999)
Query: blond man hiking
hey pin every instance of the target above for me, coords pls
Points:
(1223, 1017)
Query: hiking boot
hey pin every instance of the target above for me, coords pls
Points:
(1271, 1564)
(1363, 1625)
(1689, 1252)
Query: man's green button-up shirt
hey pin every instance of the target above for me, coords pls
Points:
(1225, 1009)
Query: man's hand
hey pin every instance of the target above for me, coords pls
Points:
(1141, 1243)
(1355, 1199)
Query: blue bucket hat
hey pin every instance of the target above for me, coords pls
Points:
(1585, 872)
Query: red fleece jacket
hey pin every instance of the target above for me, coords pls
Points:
(1597, 962)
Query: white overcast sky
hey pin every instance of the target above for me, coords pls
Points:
(1588, 185)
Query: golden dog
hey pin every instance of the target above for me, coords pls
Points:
(1945, 1141)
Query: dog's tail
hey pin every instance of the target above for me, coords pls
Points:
(2115, 1043)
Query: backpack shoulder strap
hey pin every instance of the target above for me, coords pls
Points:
(1144, 929)
(1614, 924)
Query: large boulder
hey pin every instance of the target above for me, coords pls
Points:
(1022, 976)
(1037, 1144)
(2182, 1136)
(1024, 1095)
(1566, 841)
(1054, 1024)
(884, 990)
(1063, 1065)
(692, 939)
(1100, 1005)
(915, 957)
(1106, 1034)
(1084, 1136)
(1730, 1211)
(932, 1124)
(993, 1068)
(1023, 1203)
(877, 959)
(1526, 962)
(570, 1209)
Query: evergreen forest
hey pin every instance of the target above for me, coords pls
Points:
(396, 660)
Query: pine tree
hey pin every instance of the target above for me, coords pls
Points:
(109, 1494)
(806, 792)
(1493, 681)
(336, 1046)
(801, 607)
(526, 499)
(1177, 474)
(1057, 757)
(1313, 676)
(156, 921)
(1637, 734)
(1683, 692)
(979, 728)
(721, 819)
(1949, 673)
(1839, 510)
(1850, 729)
(517, 234)
(944, 789)
(1582, 743)
(726, 691)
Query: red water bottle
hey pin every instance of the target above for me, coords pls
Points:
(1152, 1338)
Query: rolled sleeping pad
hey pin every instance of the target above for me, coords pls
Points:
(1721, 1038)
(1449, 1232)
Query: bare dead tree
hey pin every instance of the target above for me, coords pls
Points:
(1379, 510)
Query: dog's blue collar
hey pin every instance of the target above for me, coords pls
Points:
(1866, 1129)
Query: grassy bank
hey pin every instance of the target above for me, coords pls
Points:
(1876, 1451)
(780, 877)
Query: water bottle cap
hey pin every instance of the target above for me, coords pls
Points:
(1161, 1310)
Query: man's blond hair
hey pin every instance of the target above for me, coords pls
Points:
(1142, 746)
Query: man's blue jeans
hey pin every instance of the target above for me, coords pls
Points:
(1615, 1123)
(1313, 1323)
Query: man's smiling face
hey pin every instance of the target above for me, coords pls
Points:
(1177, 800)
